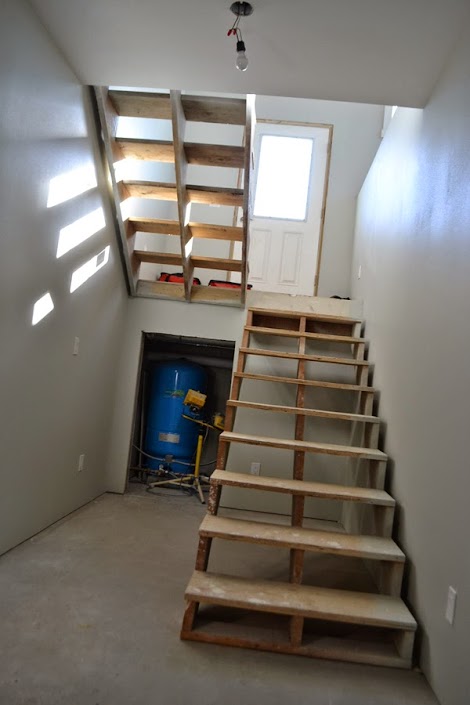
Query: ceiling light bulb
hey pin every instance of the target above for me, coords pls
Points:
(242, 60)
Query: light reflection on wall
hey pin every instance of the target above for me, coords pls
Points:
(70, 184)
(72, 235)
(87, 270)
(42, 308)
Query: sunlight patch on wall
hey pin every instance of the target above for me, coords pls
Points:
(87, 270)
(42, 308)
(66, 186)
(79, 231)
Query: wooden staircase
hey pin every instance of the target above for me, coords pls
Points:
(304, 617)
(180, 110)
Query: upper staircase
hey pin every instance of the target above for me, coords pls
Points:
(180, 110)
(305, 613)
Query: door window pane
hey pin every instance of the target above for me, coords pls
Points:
(283, 180)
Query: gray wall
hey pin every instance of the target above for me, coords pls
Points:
(413, 242)
(54, 406)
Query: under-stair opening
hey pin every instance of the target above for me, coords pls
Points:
(159, 429)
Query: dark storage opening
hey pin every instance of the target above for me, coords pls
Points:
(165, 430)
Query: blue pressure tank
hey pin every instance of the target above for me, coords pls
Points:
(167, 432)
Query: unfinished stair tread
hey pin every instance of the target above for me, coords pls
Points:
(302, 411)
(202, 294)
(308, 358)
(300, 600)
(306, 382)
(321, 490)
(198, 230)
(160, 290)
(366, 547)
(228, 265)
(197, 194)
(347, 339)
(305, 446)
(229, 111)
(158, 257)
(310, 315)
(198, 154)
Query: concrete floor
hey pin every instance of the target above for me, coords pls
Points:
(90, 612)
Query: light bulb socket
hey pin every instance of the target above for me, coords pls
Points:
(241, 46)
(242, 9)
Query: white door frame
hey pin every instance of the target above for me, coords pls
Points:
(328, 127)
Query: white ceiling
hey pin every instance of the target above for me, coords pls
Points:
(376, 51)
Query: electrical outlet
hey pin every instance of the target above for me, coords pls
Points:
(255, 468)
(359, 271)
(76, 346)
(81, 462)
(451, 602)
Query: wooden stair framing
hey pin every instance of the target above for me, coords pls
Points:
(180, 109)
(372, 627)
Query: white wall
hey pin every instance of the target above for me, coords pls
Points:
(413, 242)
(54, 406)
(356, 137)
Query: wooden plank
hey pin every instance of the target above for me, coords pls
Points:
(196, 153)
(146, 150)
(312, 316)
(302, 600)
(373, 652)
(320, 490)
(307, 382)
(321, 413)
(306, 446)
(197, 194)
(222, 155)
(216, 232)
(347, 339)
(155, 225)
(150, 189)
(175, 259)
(108, 121)
(226, 111)
(215, 196)
(158, 258)
(214, 295)
(228, 265)
(178, 122)
(229, 111)
(160, 290)
(332, 542)
(200, 294)
(248, 181)
(308, 358)
(144, 105)
(198, 230)
(296, 558)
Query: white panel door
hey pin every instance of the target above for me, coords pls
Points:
(283, 251)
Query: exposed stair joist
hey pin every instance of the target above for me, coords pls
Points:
(180, 109)
(373, 627)
(228, 111)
